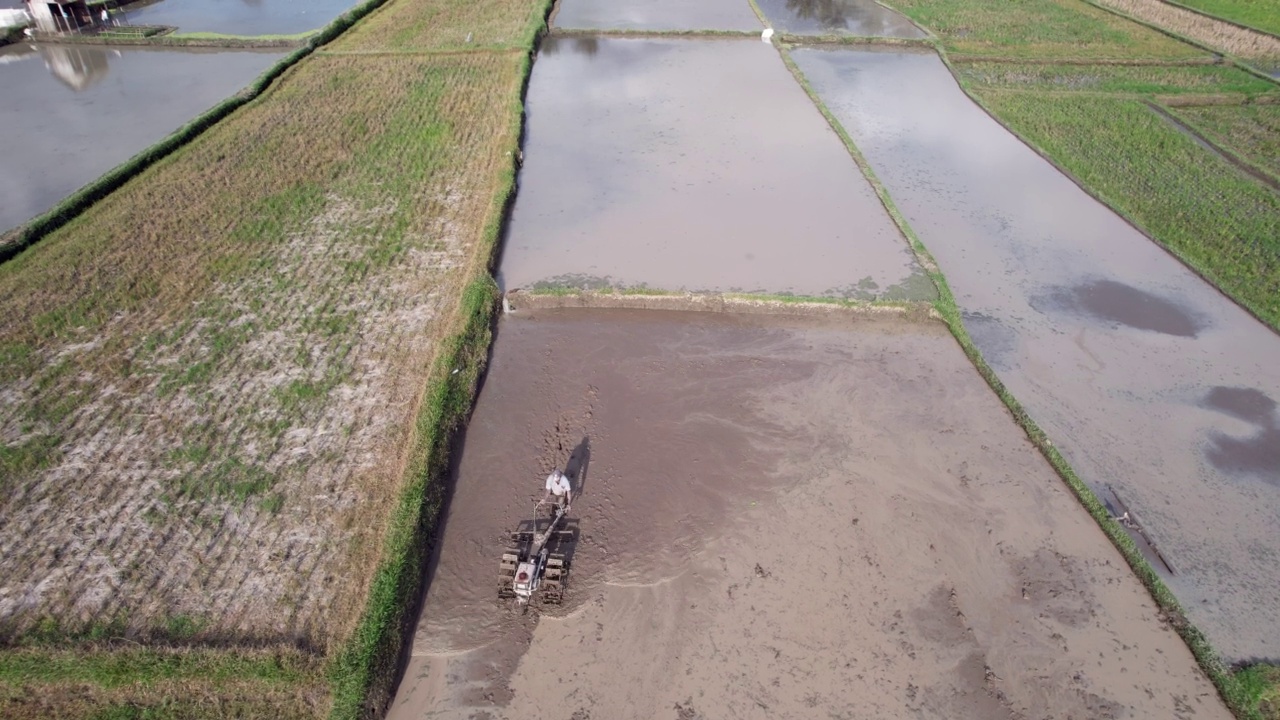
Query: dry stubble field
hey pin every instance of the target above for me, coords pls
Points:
(211, 382)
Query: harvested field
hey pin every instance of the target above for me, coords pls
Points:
(778, 518)
(441, 26)
(211, 379)
(1261, 14)
(1252, 132)
(1233, 39)
(1041, 29)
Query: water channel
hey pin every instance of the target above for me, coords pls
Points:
(1151, 382)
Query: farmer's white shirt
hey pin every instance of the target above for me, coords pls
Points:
(557, 483)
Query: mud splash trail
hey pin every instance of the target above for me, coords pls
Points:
(779, 518)
(692, 164)
(1130, 362)
(82, 110)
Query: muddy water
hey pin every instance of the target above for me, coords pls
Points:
(824, 17)
(71, 113)
(778, 518)
(692, 164)
(1145, 376)
(660, 426)
(239, 17)
(656, 15)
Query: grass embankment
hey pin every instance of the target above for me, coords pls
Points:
(1261, 14)
(1078, 83)
(230, 387)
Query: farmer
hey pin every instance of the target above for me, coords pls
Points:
(558, 485)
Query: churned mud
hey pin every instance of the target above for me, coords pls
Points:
(655, 15)
(82, 110)
(1148, 379)
(777, 518)
(838, 17)
(696, 165)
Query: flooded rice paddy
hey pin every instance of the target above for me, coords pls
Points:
(780, 517)
(865, 18)
(692, 165)
(81, 110)
(1148, 379)
(239, 17)
(655, 15)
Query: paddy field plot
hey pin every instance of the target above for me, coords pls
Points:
(211, 379)
(1148, 379)
(682, 164)
(778, 518)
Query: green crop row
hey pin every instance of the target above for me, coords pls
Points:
(1252, 132)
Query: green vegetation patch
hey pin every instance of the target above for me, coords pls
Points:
(1041, 29)
(1252, 132)
(115, 668)
(1195, 202)
(1258, 14)
(435, 26)
(1133, 79)
(1261, 684)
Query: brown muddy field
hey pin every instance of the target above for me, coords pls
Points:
(778, 517)
(1156, 387)
(683, 164)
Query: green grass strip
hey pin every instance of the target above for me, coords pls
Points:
(109, 668)
(1233, 693)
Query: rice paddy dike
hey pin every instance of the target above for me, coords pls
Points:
(232, 386)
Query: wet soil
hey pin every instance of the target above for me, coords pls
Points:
(82, 110)
(778, 518)
(1115, 348)
(655, 15)
(243, 17)
(865, 18)
(697, 165)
